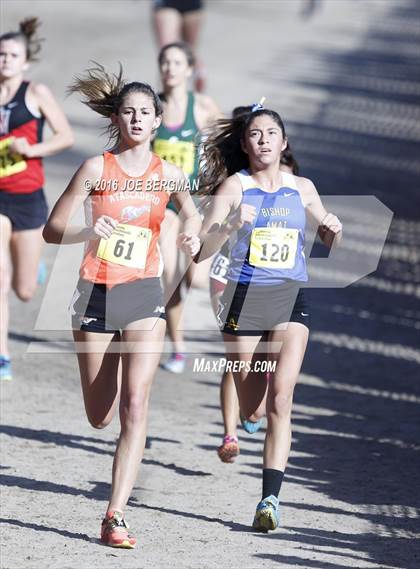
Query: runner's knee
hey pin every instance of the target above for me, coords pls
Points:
(281, 406)
(24, 291)
(253, 416)
(98, 422)
(134, 410)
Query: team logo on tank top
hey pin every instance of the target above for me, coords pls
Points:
(10, 163)
(5, 113)
(131, 212)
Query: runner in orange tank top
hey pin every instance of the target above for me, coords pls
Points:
(134, 206)
(118, 309)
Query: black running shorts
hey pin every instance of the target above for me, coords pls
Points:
(25, 211)
(96, 308)
(250, 310)
(182, 6)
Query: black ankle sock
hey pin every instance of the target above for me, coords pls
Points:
(272, 480)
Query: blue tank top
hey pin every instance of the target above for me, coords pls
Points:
(271, 250)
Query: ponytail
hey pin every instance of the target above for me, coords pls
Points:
(104, 93)
(27, 34)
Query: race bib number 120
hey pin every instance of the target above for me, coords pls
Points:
(128, 246)
(273, 247)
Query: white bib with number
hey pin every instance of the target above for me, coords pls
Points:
(273, 247)
(219, 268)
(10, 162)
(128, 246)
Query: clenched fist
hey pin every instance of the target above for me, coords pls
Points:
(20, 146)
(189, 243)
(331, 223)
(103, 227)
(244, 214)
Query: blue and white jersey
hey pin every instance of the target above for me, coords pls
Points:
(270, 250)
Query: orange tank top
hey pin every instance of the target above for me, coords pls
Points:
(138, 204)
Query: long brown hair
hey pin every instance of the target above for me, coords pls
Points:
(27, 35)
(288, 159)
(222, 150)
(104, 93)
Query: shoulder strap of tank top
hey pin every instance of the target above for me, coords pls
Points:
(289, 180)
(109, 163)
(156, 162)
(21, 92)
(246, 180)
(109, 158)
(189, 117)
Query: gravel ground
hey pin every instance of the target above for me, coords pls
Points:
(346, 78)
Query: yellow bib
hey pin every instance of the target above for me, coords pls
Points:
(10, 162)
(180, 152)
(273, 247)
(128, 246)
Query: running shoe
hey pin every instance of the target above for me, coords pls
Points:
(114, 531)
(175, 364)
(267, 514)
(251, 427)
(229, 450)
(5, 368)
(42, 273)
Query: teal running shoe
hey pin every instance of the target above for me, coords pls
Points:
(42, 273)
(267, 515)
(5, 369)
(250, 426)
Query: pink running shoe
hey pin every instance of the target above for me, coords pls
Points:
(229, 450)
(114, 531)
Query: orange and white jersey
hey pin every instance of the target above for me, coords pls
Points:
(138, 204)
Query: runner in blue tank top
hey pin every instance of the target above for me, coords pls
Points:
(229, 450)
(262, 307)
(270, 250)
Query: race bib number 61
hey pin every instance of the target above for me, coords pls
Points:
(127, 246)
(273, 247)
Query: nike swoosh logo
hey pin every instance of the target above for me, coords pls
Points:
(187, 132)
(303, 314)
(288, 195)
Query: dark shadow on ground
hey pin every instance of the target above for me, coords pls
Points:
(43, 528)
(230, 524)
(54, 488)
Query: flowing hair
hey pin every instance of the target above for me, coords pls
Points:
(27, 35)
(289, 160)
(104, 93)
(222, 153)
